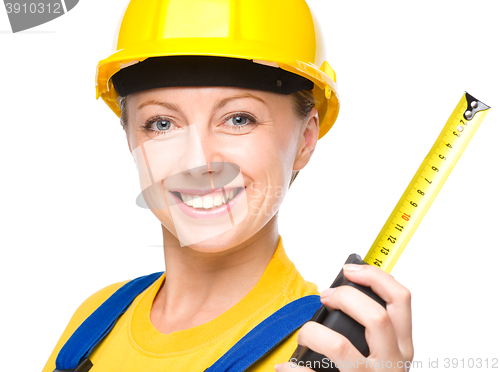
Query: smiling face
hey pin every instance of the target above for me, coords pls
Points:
(215, 162)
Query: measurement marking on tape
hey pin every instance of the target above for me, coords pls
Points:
(412, 206)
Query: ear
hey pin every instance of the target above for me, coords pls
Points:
(308, 137)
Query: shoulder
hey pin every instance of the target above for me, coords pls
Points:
(82, 312)
(301, 288)
(92, 303)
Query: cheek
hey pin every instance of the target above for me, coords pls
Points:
(134, 143)
(264, 155)
(268, 168)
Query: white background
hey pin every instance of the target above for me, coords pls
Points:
(69, 221)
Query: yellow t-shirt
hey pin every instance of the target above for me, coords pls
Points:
(135, 345)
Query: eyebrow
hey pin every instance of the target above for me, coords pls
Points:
(168, 105)
(224, 101)
(216, 107)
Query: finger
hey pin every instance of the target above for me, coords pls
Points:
(334, 346)
(380, 334)
(397, 297)
(388, 288)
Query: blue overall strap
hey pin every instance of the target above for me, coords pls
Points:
(267, 335)
(100, 323)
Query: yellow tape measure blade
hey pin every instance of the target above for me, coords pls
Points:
(426, 183)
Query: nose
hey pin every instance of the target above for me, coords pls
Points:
(220, 170)
(194, 161)
(216, 164)
(202, 157)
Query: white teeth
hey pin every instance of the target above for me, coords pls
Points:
(197, 202)
(207, 202)
(218, 200)
(188, 199)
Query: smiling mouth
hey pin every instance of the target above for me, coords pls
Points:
(210, 201)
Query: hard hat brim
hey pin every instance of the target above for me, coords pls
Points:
(325, 87)
(193, 71)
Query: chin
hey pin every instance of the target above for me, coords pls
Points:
(210, 246)
(203, 241)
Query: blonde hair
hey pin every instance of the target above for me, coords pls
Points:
(303, 100)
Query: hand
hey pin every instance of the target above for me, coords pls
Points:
(388, 331)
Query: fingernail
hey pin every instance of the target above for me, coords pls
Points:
(352, 267)
(277, 367)
(327, 292)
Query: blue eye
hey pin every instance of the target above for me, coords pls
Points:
(158, 127)
(239, 120)
(162, 125)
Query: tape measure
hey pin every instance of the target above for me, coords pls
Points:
(401, 225)
(427, 183)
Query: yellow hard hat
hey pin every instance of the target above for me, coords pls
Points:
(277, 33)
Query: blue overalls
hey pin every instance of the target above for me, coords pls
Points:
(256, 344)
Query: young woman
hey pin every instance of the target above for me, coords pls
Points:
(223, 103)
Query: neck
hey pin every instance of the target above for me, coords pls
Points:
(200, 285)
